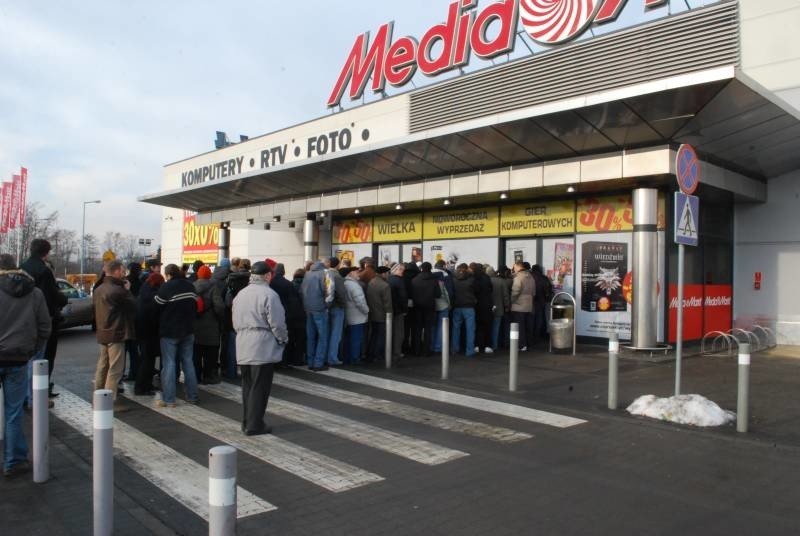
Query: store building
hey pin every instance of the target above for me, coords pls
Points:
(540, 158)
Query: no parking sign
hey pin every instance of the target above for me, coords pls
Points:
(687, 169)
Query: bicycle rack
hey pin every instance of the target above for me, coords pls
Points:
(772, 340)
(719, 336)
(752, 339)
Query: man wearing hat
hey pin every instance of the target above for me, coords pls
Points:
(261, 334)
(336, 311)
(153, 266)
(379, 300)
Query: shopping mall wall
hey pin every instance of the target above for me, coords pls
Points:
(767, 243)
(770, 48)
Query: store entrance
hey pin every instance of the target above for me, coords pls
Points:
(388, 254)
(556, 256)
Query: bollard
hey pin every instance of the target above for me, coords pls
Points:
(41, 424)
(388, 350)
(743, 395)
(513, 357)
(222, 491)
(445, 348)
(613, 342)
(103, 462)
(613, 377)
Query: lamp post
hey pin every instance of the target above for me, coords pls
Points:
(83, 237)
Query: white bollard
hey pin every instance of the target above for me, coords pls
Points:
(222, 491)
(613, 343)
(743, 393)
(103, 462)
(41, 424)
(513, 355)
(445, 348)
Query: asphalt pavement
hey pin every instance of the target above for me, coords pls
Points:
(371, 452)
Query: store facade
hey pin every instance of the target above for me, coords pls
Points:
(537, 159)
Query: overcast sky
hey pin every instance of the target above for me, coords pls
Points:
(97, 96)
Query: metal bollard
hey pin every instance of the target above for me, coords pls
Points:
(388, 350)
(513, 356)
(613, 342)
(41, 423)
(222, 491)
(613, 377)
(103, 462)
(743, 395)
(445, 348)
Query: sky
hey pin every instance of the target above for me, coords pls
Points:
(97, 96)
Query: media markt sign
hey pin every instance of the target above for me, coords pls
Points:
(466, 31)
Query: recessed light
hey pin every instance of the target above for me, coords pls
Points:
(276, 219)
(321, 214)
(250, 221)
(504, 195)
(357, 211)
(447, 201)
(267, 227)
(571, 190)
(292, 224)
(398, 206)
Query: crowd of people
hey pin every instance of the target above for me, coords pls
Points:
(243, 318)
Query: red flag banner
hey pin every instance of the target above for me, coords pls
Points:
(23, 193)
(13, 217)
(5, 207)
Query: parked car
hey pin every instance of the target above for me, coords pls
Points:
(79, 310)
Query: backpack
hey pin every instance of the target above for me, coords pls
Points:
(201, 306)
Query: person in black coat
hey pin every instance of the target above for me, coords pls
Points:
(135, 277)
(147, 333)
(399, 308)
(411, 271)
(483, 310)
(424, 292)
(289, 294)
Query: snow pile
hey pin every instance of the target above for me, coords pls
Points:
(684, 409)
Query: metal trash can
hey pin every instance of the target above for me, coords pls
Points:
(561, 333)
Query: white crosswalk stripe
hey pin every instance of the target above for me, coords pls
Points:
(403, 411)
(319, 469)
(417, 450)
(481, 404)
(178, 476)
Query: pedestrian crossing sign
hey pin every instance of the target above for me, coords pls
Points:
(687, 218)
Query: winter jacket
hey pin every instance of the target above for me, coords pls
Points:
(357, 311)
(379, 299)
(220, 279)
(399, 294)
(178, 302)
(235, 282)
(466, 290)
(501, 299)
(25, 323)
(522, 291)
(114, 312)
(260, 324)
(46, 282)
(544, 289)
(290, 299)
(337, 286)
(207, 324)
(136, 283)
(447, 289)
(147, 313)
(316, 289)
(425, 290)
(483, 292)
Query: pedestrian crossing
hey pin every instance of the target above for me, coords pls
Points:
(187, 481)
(175, 474)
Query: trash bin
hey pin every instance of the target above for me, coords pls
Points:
(561, 333)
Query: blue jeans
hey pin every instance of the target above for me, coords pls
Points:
(465, 316)
(436, 332)
(172, 350)
(496, 323)
(316, 338)
(335, 327)
(16, 448)
(353, 342)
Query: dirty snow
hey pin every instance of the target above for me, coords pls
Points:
(684, 409)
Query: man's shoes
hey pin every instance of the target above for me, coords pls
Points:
(19, 469)
(193, 402)
(335, 363)
(488, 350)
(120, 389)
(263, 431)
(144, 393)
(318, 369)
(120, 408)
(523, 349)
(161, 404)
(50, 392)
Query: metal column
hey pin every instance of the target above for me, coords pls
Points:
(311, 238)
(224, 243)
(644, 320)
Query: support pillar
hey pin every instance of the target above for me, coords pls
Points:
(224, 242)
(644, 319)
(311, 237)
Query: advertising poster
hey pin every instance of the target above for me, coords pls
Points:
(388, 254)
(454, 252)
(23, 193)
(15, 196)
(463, 223)
(397, 228)
(352, 231)
(356, 252)
(706, 308)
(200, 242)
(558, 263)
(415, 254)
(520, 250)
(717, 308)
(538, 219)
(612, 213)
(346, 254)
(5, 206)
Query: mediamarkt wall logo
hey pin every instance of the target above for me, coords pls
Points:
(464, 33)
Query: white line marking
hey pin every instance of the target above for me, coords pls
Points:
(480, 404)
(314, 467)
(417, 450)
(403, 411)
(178, 476)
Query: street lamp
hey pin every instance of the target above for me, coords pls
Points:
(83, 236)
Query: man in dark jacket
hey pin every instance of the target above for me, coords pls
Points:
(336, 310)
(46, 282)
(400, 308)
(178, 302)
(206, 328)
(295, 315)
(464, 310)
(379, 300)
(24, 328)
(483, 308)
(425, 291)
(236, 281)
(115, 317)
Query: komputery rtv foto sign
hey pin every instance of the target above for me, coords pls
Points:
(466, 32)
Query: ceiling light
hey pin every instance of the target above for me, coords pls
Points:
(571, 190)
(447, 202)
(357, 211)
(321, 214)
(504, 195)
(398, 206)
(250, 221)
(276, 219)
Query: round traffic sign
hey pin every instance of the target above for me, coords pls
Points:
(687, 169)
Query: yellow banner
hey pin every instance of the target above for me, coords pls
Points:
(354, 231)
(397, 228)
(538, 219)
(612, 213)
(471, 223)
